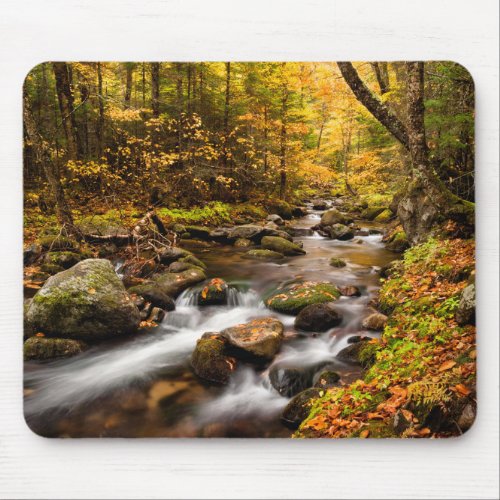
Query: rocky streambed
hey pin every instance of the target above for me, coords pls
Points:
(262, 321)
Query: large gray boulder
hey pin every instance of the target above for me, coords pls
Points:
(87, 301)
(466, 312)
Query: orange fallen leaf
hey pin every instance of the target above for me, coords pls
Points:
(447, 365)
(462, 389)
(364, 434)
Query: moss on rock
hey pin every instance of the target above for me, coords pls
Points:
(41, 348)
(278, 244)
(262, 254)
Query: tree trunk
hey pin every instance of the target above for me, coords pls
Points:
(425, 202)
(382, 75)
(65, 98)
(129, 68)
(155, 89)
(43, 157)
(226, 113)
(283, 138)
(100, 120)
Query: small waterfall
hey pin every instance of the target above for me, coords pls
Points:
(236, 297)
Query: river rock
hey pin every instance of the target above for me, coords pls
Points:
(340, 232)
(213, 293)
(276, 219)
(199, 232)
(173, 284)
(333, 216)
(327, 379)
(466, 312)
(64, 259)
(210, 360)
(352, 353)
(371, 212)
(337, 262)
(248, 231)
(178, 267)
(151, 292)
(318, 318)
(293, 298)
(243, 243)
(172, 254)
(191, 259)
(375, 321)
(278, 244)
(290, 380)
(299, 211)
(319, 204)
(87, 301)
(41, 348)
(261, 337)
(261, 254)
(220, 234)
(297, 410)
(350, 291)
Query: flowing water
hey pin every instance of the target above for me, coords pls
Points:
(143, 386)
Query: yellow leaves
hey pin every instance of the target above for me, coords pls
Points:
(364, 434)
(91, 291)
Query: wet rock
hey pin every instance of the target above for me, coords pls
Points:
(87, 301)
(375, 321)
(281, 245)
(151, 292)
(62, 259)
(261, 254)
(337, 262)
(319, 204)
(41, 348)
(466, 312)
(172, 254)
(352, 353)
(191, 259)
(301, 231)
(350, 291)
(248, 231)
(299, 211)
(327, 380)
(31, 254)
(333, 216)
(297, 410)
(213, 293)
(276, 219)
(200, 232)
(280, 207)
(290, 380)
(220, 234)
(261, 337)
(371, 212)
(133, 401)
(243, 243)
(358, 338)
(398, 242)
(318, 318)
(173, 284)
(156, 315)
(278, 233)
(210, 361)
(361, 232)
(178, 267)
(340, 232)
(293, 298)
(467, 417)
(272, 226)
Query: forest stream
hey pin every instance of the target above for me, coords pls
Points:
(143, 386)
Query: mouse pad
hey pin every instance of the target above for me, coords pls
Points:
(249, 249)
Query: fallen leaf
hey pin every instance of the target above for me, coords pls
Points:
(447, 365)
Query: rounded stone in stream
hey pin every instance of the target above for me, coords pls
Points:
(210, 361)
(213, 293)
(318, 318)
(87, 301)
(259, 338)
(281, 245)
(297, 410)
(333, 216)
(261, 254)
(293, 298)
(276, 219)
(151, 292)
(350, 291)
(172, 254)
(337, 262)
(375, 321)
(173, 284)
(290, 380)
(327, 379)
(41, 348)
(340, 232)
(243, 243)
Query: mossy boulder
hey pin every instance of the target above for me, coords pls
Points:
(318, 318)
(63, 259)
(248, 231)
(259, 338)
(398, 242)
(384, 216)
(151, 292)
(319, 204)
(292, 299)
(359, 353)
(51, 269)
(173, 254)
(173, 284)
(327, 380)
(279, 207)
(375, 321)
(333, 216)
(335, 262)
(210, 360)
(201, 232)
(289, 380)
(191, 259)
(215, 292)
(41, 348)
(280, 245)
(102, 225)
(340, 232)
(297, 410)
(261, 254)
(350, 291)
(276, 219)
(57, 243)
(87, 301)
(371, 212)
(243, 243)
